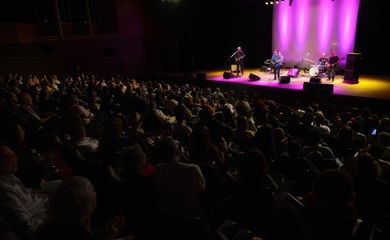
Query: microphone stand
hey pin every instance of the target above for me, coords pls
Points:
(228, 61)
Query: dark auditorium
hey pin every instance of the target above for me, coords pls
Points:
(194, 120)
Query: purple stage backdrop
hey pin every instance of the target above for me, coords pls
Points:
(309, 27)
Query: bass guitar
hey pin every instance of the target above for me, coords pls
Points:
(331, 65)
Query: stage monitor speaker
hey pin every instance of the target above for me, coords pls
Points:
(293, 72)
(227, 75)
(284, 79)
(318, 89)
(315, 80)
(201, 76)
(253, 77)
(351, 76)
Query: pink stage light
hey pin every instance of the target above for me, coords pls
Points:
(325, 25)
(347, 22)
(314, 26)
(301, 23)
(281, 26)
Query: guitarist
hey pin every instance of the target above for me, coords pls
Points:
(239, 56)
(277, 61)
(331, 66)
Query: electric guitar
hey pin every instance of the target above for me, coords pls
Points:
(274, 63)
(331, 65)
(238, 59)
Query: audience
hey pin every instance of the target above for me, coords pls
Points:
(204, 155)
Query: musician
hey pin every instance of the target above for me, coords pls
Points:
(239, 56)
(323, 61)
(277, 62)
(331, 66)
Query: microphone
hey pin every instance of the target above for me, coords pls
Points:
(233, 54)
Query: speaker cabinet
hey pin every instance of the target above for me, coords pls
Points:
(201, 76)
(317, 89)
(253, 77)
(284, 79)
(352, 68)
(227, 75)
(351, 76)
(315, 80)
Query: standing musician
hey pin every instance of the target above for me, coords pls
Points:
(277, 62)
(239, 56)
(331, 66)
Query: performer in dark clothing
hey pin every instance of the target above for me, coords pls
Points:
(239, 56)
(331, 66)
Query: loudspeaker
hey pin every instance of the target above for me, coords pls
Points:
(253, 77)
(284, 79)
(351, 76)
(201, 76)
(227, 75)
(315, 80)
(315, 88)
(352, 68)
(293, 72)
(353, 60)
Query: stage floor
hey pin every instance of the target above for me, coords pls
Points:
(370, 86)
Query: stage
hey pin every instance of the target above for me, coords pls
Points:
(369, 86)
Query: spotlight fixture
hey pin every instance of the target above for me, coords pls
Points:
(274, 2)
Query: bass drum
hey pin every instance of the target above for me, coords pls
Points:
(314, 71)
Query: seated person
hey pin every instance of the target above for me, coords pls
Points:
(322, 62)
(23, 209)
(72, 206)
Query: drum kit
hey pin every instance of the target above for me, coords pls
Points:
(316, 70)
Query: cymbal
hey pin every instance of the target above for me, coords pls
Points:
(309, 60)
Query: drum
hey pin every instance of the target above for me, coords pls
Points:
(313, 72)
(322, 68)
